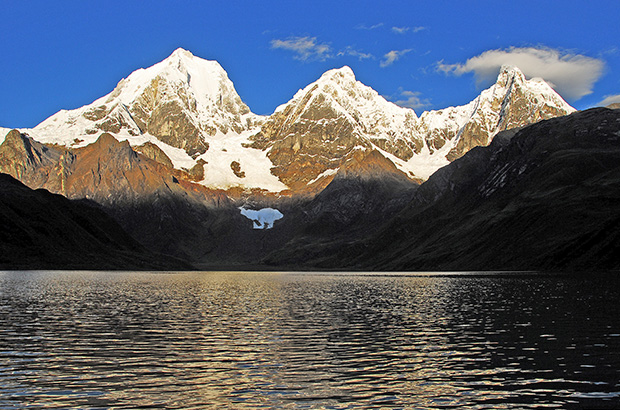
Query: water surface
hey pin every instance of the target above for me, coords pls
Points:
(277, 340)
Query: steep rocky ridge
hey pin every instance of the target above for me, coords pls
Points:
(543, 197)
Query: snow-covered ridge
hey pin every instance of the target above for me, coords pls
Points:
(185, 105)
(189, 108)
(357, 102)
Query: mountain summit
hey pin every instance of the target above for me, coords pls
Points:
(319, 129)
(184, 112)
(511, 102)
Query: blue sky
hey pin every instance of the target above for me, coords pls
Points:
(423, 54)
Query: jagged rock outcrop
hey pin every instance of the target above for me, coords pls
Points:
(152, 151)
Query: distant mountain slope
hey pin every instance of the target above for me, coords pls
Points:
(544, 197)
(41, 230)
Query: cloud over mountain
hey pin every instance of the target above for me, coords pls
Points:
(305, 48)
(610, 99)
(403, 30)
(411, 99)
(392, 56)
(572, 75)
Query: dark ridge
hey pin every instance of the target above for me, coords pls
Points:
(41, 230)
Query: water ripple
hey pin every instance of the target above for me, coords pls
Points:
(269, 340)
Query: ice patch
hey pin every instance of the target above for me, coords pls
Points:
(326, 173)
(3, 132)
(263, 218)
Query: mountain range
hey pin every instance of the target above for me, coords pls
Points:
(173, 153)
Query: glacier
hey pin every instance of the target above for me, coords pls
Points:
(263, 218)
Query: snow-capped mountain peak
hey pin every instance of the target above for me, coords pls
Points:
(185, 111)
(334, 116)
(185, 106)
(327, 121)
(197, 92)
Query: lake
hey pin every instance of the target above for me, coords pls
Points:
(305, 340)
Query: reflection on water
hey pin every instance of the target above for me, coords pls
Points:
(265, 340)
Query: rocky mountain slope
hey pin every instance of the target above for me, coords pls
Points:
(185, 111)
(41, 230)
(173, 153)
(311, 136)
(155, 203)
(543, 197)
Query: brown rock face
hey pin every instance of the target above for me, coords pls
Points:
(20, 155)
(197, 172)
(236, 169)
(169, 123)
(152, 151)
(107, 171)
(302, 148)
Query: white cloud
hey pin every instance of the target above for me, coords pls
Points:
(572, 75)
(403, 30)
(609, 99)
(411, 99)
(365, 27)
(305, 48)
(350, 51)
(393, 56)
